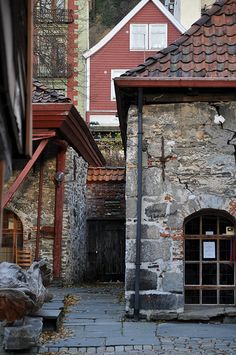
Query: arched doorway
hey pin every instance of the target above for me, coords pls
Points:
(209, 258)
(12, 236)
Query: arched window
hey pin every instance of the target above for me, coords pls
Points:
(209, 258)
(12, 236)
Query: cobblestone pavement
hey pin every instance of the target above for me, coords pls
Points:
(95, 324)
(167, 346)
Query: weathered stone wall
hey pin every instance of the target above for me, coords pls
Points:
(25, 204)
(199, 172)
(74, 219)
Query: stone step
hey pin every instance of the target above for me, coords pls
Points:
(51, 318)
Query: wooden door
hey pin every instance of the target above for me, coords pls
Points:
(106, 250)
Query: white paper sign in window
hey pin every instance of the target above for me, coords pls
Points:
(209, 250)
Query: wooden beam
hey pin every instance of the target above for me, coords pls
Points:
(29, 75)
(167, 82)
(59, 203)
(40, 195)
(21, 177)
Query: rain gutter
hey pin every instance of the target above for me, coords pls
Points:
(139, 205)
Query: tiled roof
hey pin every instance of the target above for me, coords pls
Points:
(207, 49)
(41, 94)
(105, 174)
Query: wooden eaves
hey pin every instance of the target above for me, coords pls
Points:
(62, 121)
(69, 125)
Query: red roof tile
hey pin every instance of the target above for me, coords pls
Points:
(105, 174)
(207, 49)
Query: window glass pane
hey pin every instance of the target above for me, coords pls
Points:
(226, 274)
(192, 296)
(223, 224)
(226, 296)
(225, 248)
(192, 227)
(209, 224)
(114, 74)
(157, 36)
(192, 249)
(209, 274)
(139, 36)
(192, 274)
(209, 296)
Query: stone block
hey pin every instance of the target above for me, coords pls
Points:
(162, 301)
(172, 282)
(151, 250)
(131, 207)
(23, 336)
(155, 211)
(131, 182)
(164, 316)
(148, 280)
(150, 231)
(152, 182)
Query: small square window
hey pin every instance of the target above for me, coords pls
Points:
(192, 274)
(209, 296)
(226, 274)
(192, 297)
(226, 296)
(192, 250)
(209, 274)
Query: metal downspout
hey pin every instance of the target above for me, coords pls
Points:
(139, 204)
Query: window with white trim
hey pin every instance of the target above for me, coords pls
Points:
(114, 74)
(148, 36)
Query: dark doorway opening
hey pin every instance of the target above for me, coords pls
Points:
(106, 250)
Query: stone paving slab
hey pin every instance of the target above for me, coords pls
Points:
(192, 330)
(96, 326)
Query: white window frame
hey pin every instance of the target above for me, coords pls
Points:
(163, 29)
(145, 39)
(114, 74)
(148, 39)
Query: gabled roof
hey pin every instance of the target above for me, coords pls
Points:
(127, 18)
(206, 50)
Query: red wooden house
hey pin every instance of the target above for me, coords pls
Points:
(147, 28)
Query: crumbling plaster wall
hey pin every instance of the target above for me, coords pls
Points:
(198, 172)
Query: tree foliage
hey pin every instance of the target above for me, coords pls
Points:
(105, 14)
(112, 149)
